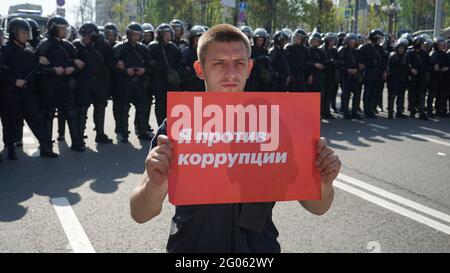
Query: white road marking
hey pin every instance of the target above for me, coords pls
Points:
(434, 130)
(33, 152)
(78, 239)
(28, 140)
(441, 154)
(377, 126)
(428, 139)
(393, 207)
(26, 130)
(394, 197)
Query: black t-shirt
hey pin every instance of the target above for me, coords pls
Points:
(222, 227)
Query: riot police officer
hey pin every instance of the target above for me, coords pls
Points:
(340, 39)
(372, 60)
(58, 83)
(318, 60)
(19, 100)
(259, 79)
(330, 81)
(91, 80)
(149, 33)
(299, 60)
(132, 61)
(439, 64)
(247, 31)
(188, 56)
(397, 78)
(166, 64)
(419, 64)
(350, 76)
(178, 29)
(278, 62)
(111, 35)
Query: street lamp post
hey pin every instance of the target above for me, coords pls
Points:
(392, 10)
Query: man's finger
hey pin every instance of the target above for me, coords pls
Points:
(321, 144)
(327, 161)
(164, 159)
(332, 168)
(165, 149)
(163, 139)
(156, 164)
(322, 156)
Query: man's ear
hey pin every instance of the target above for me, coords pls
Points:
(199, 70)
(250, 67)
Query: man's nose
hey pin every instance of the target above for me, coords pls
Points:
(231, 70)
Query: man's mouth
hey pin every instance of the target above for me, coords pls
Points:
(229, 84)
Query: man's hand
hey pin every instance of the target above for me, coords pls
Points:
(352, 71)
(444, 69)
(361, 66)
(310, 79)
(327, 163)
(140, 71)
(158, 161)
(59, 70)
(385, 76)
(43, 61)
(130, 72)
(319, 66)
(120, 65)
(79, 63)
(414, 71)
(21, 83)
(69, 70)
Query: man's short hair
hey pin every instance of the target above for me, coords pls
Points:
(221, 33)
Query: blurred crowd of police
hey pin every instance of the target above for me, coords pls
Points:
(61, 73)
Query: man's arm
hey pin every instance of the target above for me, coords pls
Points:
(328, 165)
(146, 200)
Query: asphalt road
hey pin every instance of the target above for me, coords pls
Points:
(393, 194)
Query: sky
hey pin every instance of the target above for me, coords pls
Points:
(48, 6)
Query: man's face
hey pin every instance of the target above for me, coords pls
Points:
(86, 39)
(195, 42)
(23, 36)
(227, 67)
(136, 36)
(111, 37)
(259, 42)
(62, 31)
(178, 32)
(352, 43)
(148, 37)
(167, 37)
(298, 39)
(401, 50)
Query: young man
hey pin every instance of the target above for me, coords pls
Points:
(224, 64)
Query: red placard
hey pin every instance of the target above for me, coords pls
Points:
(243, 147)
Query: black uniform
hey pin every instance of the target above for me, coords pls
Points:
(131, 89)
(348, 59)
(59, 91)
(20, 104)
(112, 90)
(397, 82)
(190, 81)
(418, 60)
(330, 79)
(299, 60)
(91, 83)
(260, 77)
(317, 56)
(279, 68)
(170, 60)
(372, 57)
(438, 84)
